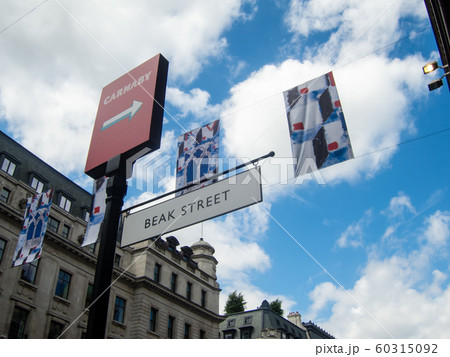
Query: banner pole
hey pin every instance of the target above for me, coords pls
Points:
(116, 190)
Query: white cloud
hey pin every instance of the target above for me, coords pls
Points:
(54, 65)
(353, 236)
(356, 27)
(196, 103)
(438, 230)
(401, 285)
(398, 207)
(399, 204)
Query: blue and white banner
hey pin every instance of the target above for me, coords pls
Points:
(31, 237)
(316, 124)
(98, 212)
(198, 156)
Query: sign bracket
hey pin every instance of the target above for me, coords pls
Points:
(126, 212)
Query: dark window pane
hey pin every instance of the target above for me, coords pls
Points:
(4, 195)
(171, 327)
(18, 323)
(119, 310)
(56, 329)
(65, 231)
(203, 302)
(187, 331)
(53, 224)
(62, 286)
(173, 282)
(157, 273)
(2, 248)
(89, 297)
(29, 271)
(189, 291)
(153, 317)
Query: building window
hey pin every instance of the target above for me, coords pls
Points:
(171, 327)
(37, 184)
(153, 319)
(202, 334)
(53, 224)
(157, 273)
(187, 331)
(92, 248)
(65, 231)
(247, 320)
(203, 301)
(2, 248)
(65, 203)
(246, 333)
(56, 329)
(4, 195)
(189, 291)
(231, 322)
(228, 335)
(8, 166)
(119, 310)
(18, 323)
(29, 272)
(62, 286)
(173, 282)
(89, 295)
(117, 258)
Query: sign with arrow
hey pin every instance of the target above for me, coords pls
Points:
(137, 96)
(129, 112)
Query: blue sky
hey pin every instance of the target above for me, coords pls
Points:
(360, 248)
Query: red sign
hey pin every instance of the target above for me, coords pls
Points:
(130, 114)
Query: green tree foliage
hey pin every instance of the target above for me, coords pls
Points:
(275, 306)
(235, 303)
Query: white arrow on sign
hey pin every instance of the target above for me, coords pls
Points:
(129, 112)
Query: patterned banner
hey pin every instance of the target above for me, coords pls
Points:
(316, 124)
(98, 212)
(198, 156)
(31, 237)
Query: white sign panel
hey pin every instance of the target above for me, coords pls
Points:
(222, 197)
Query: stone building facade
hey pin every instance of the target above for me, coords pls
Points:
(159, 290)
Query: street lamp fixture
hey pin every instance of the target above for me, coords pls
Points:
(431, 67)
(435, 84)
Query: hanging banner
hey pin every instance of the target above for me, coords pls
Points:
(98, 212)
(224, 196)
(31, 237)
(316, 123)
(198, 156)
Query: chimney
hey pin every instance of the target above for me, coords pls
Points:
(295, 318)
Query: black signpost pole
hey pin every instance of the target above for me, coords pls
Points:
(115, 191)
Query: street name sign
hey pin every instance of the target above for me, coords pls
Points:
(225, 196)
(129, 117)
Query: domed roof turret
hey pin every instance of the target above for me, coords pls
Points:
(204, 256)
(202, 245)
